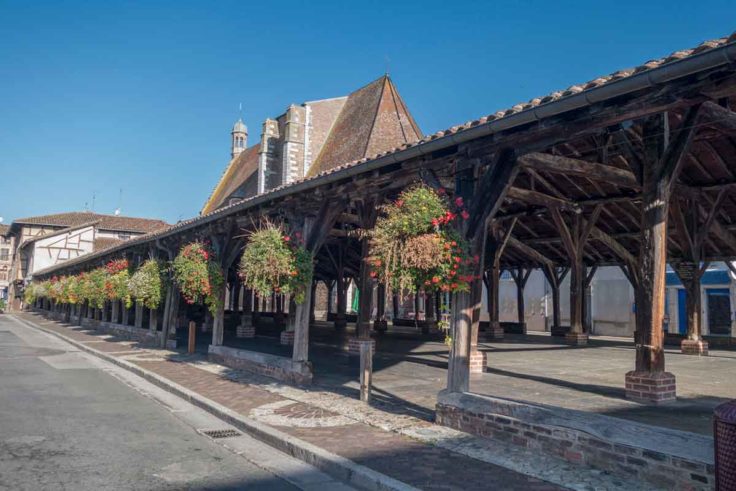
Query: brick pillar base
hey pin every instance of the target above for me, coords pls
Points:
(477, 361)
(694, 347)
(380, 326)
(651, 387)
(576, 338)
(354, 345)
(245, 331)
(287, 338)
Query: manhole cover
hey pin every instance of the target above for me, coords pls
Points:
(220, 433)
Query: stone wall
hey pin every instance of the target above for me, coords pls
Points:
(660, 457)
(278, 367)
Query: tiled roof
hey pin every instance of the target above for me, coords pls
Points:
(373, 120)
(105, 222)
(240, 168)
(102, 243)
(314, 180)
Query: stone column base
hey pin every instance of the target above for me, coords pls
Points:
(694, 347)
(287, 338)
(245, 331)
(380, 326)
(494, 331)
(340, 321)
(576, 338)
(355, 343)
(477, 361)
(651, 387)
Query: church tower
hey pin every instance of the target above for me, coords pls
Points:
(239, 138)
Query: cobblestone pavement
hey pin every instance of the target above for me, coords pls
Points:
(400, 445)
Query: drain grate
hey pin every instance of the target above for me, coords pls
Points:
(220, 433)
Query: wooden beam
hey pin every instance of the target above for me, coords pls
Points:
(537, 198)
(581, 168)
(530, 252)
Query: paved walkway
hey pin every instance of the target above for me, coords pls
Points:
(410, 369)
(400, 445)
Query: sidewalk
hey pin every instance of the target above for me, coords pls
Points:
(407, 449)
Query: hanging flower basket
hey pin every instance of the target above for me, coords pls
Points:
(198, 276)
(414, 245)
(275, 262)
(93, 287)
(146, 285)
(116, 286)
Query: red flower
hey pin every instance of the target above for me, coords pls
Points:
(465, 215)
(435, 222)
(441, 191)
(476, 259)
(459, 201)
(399, 203)
(457, 259)
(373, 274)
(287, 238)
(435, 279)
(453, 286)
(453, 243)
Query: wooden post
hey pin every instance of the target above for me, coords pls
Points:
(366, 370)
(301, 314)
(218, 323)
(458, 373)
(380, 324)
(153, 320)
(115, 314)
(663, 157)
(138, 314)
(521, 276)
(365, 290)
(192, 338)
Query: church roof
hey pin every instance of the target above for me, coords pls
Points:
(374, 119)
(240, 168)
(371, 120)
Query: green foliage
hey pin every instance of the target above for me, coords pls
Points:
(2, 305)
(146, 285)
(276, 262)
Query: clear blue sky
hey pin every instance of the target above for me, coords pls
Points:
(99, 96)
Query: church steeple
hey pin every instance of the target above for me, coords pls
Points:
(239, 139)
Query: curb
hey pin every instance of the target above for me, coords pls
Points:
(336, 466)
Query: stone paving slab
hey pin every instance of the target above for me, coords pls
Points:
(398, 445)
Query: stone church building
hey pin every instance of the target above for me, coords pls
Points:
(314, 137)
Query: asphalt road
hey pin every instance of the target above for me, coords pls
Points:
(69, 421)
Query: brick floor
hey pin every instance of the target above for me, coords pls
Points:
(415, 463)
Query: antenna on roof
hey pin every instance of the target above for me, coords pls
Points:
(388, 63)
(93, 200)
(240, 110)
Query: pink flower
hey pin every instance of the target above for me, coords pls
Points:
(465, 215)
(399, 203)
(459, 201)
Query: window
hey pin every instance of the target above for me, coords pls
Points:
(3, 276)
(4, 254)
(124, 236)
